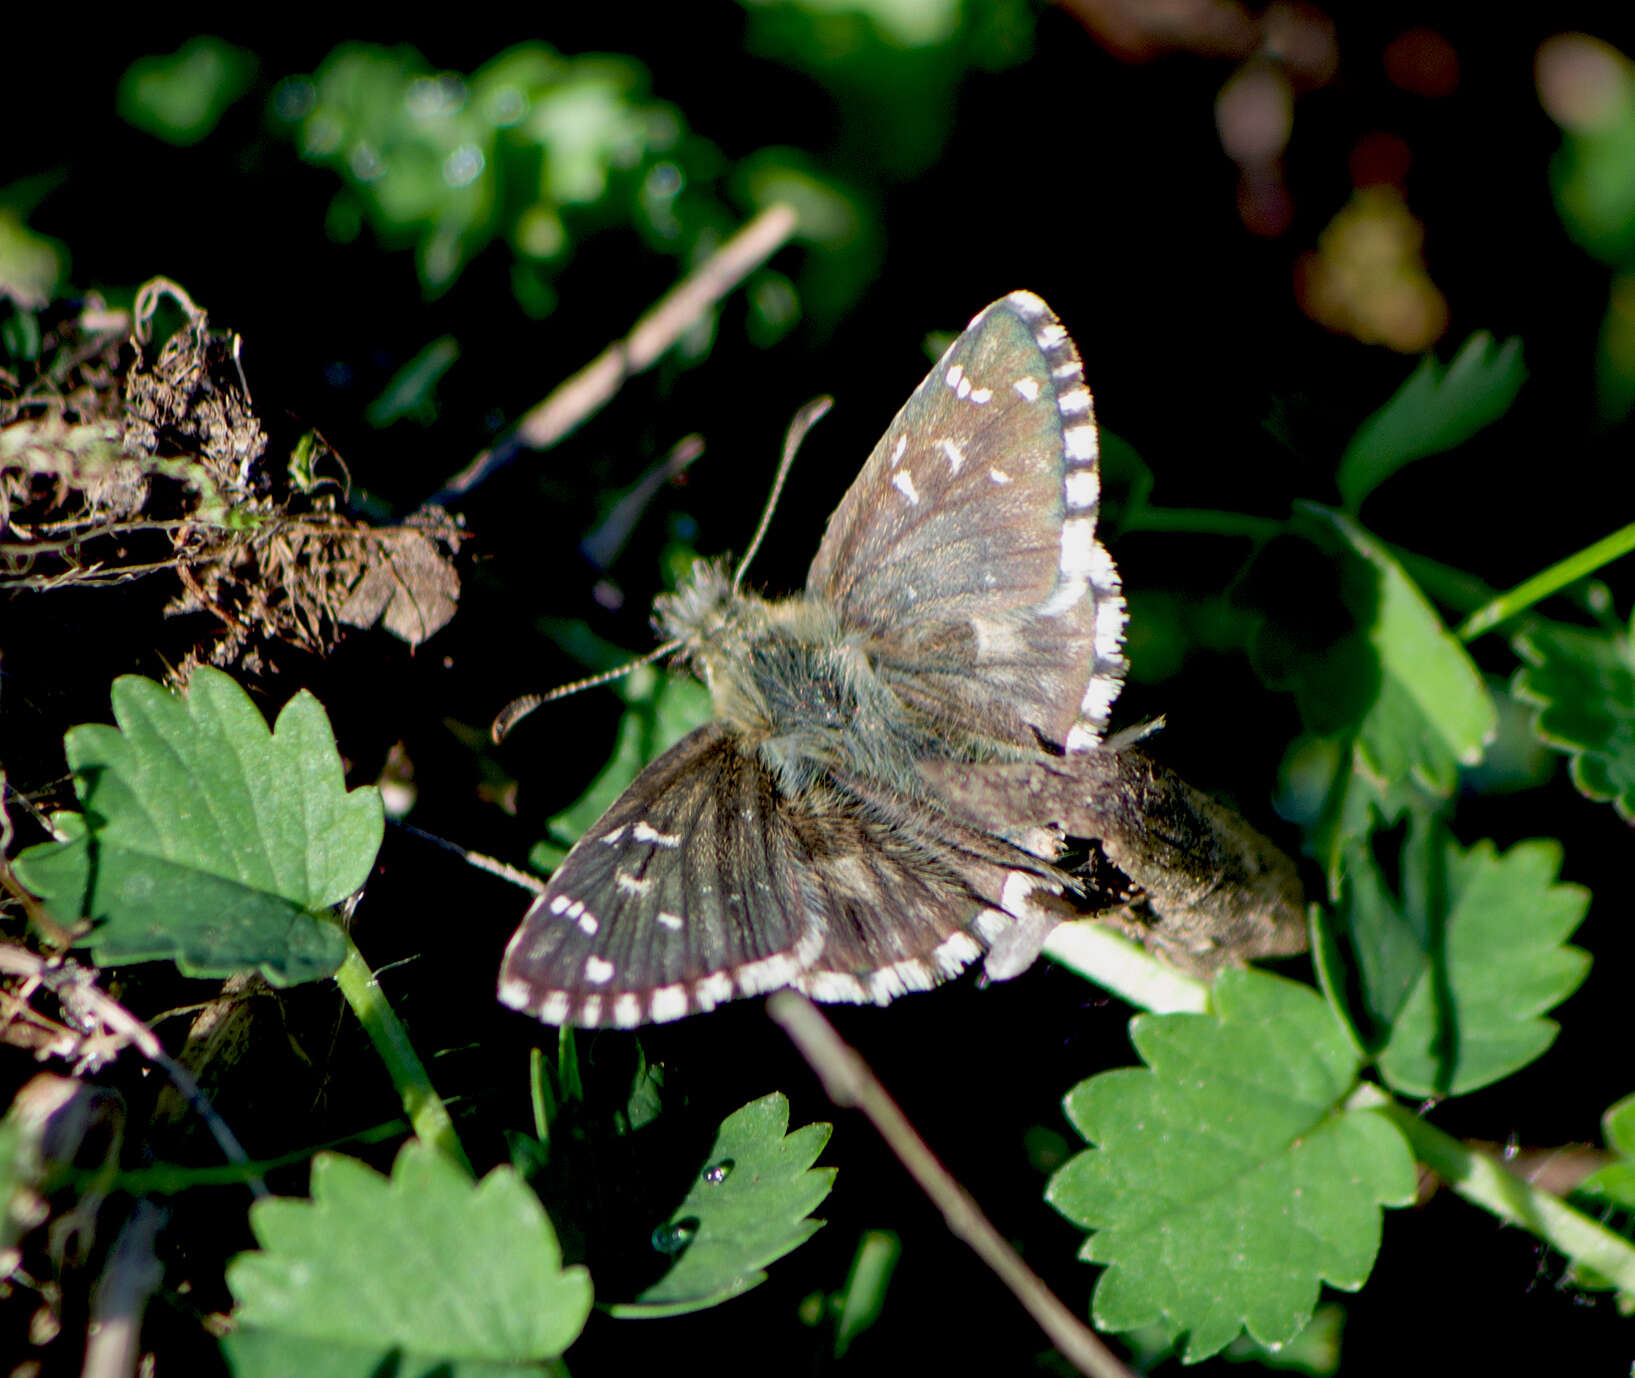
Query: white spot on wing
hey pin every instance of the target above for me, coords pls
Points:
(1080, 444)
(982, 396)
(1075, 403)
(999, 476)
(554, 1008)
(1103, 575)
(889, 982)
(633, 885)
(644, 833)
(952, 453)
(1110, 619)
(810, 945)
(515, 993)
(588, 925)
(1083, 488)
(1050, 336)
(1071, 369)
(559, 903)
(903, 482)
(670, 921)
(996, 640)
(627, 1011)
(1027, 304)
(767, 974)
(1027, 389)
(897, 450)
(1078, 547)
(1098, 698)
(833, 985)
(597, 971)
(956, 376)
(1081, 737)
(668, 1002)
(612, 837)
(954, 953)
(591, 1011)
(1067, 593)
(712, 990)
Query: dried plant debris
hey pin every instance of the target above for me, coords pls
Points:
(123, 456)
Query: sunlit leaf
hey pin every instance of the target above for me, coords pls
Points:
(205, 837)
(1227, 1180)
(422, 1269)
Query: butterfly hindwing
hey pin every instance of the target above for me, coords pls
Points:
(703, 882)
(966, 548)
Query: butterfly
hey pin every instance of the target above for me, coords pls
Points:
(961, 616)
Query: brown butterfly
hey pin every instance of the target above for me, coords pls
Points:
(857, 820)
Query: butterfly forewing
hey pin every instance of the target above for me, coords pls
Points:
(967, 548)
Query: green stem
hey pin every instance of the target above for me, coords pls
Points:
(1202, 521)
(427, 1113)
(167, 1179)
(1552, 580)
(1488, 1184)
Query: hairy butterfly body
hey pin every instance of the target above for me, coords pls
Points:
(960, 614)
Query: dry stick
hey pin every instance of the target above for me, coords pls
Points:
(850, 1084)
(132, 1276)
(677, 311)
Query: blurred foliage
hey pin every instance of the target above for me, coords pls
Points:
(891, 68)
(1588, 87)
(1368, 279)
(33, 267)
(181, 97)
(535, 149)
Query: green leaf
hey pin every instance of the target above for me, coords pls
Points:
(1435, 410)
(663, 709)
(428, 1265)
(1582, 685)
(412, 391)
(1398, 694)
(748, 1207)
(1457, 971)
(256, 1353)
(205, 837)
(1615, 1183)
(1228, 1179)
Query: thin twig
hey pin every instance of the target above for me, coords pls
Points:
(850, 1084)
(73, 983)
(584, 394)
(132, 1276)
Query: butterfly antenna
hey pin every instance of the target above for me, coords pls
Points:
(807, 417)
(518, 709)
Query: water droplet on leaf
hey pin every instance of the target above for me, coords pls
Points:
(676, 1236)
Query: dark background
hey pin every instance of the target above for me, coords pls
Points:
(1097, 182)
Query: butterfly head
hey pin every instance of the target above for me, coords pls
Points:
(712, 624)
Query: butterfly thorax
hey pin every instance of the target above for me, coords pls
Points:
(786, 677)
